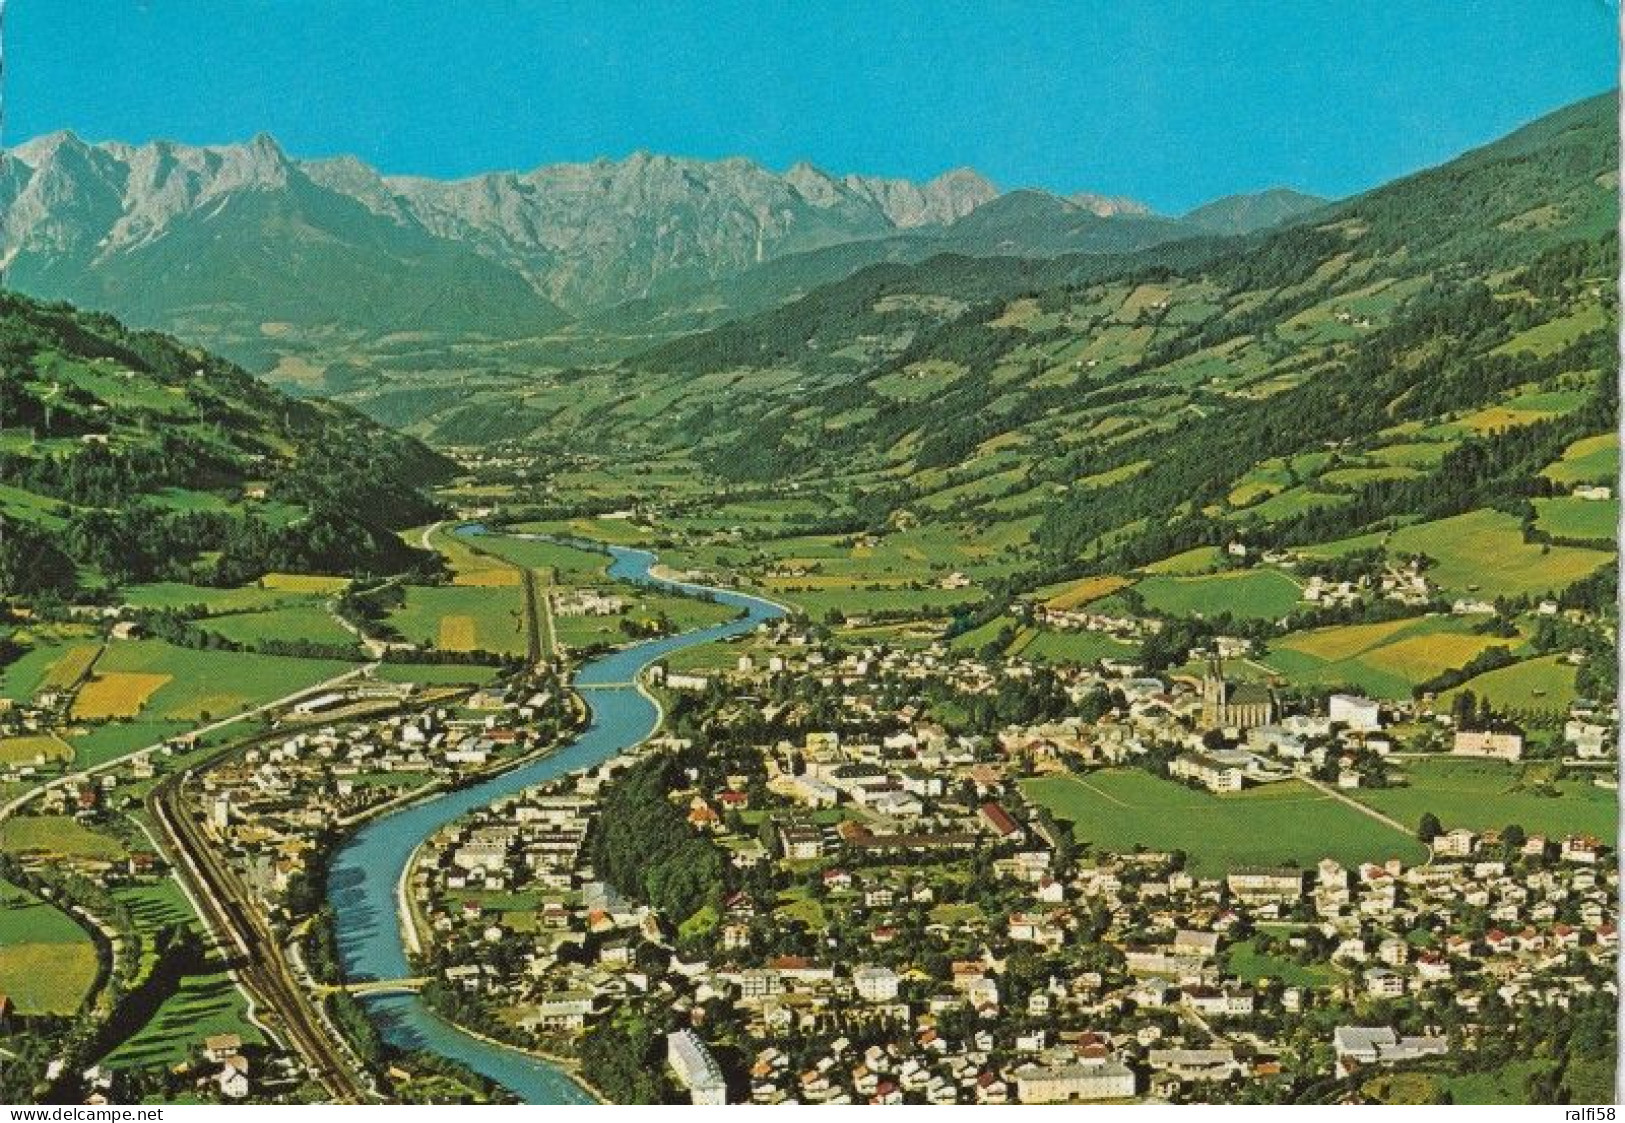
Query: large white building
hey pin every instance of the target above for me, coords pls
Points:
(1100, 1080)
(876, 984)
(696, 1068)
(1379, 1045)
(1357, 713)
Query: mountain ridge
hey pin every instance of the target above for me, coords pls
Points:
(89, 222)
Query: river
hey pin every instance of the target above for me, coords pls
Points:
(362, 882)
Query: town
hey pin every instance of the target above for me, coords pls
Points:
(902, 915)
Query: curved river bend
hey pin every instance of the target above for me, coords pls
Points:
(362, 882)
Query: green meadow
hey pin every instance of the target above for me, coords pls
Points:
(206, 1004)
(1483, 553)
(48, 963)
(463, 617)
(1488, 795)
(1591, 520)
(1119, 809)
(1542, 685)
(1256, 594)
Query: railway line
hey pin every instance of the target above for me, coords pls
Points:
(246, 938)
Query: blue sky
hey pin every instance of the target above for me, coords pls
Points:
(1171, 101)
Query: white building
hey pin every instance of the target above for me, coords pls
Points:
(1356, 712)
(696, 1068)
(876, 984)
(1590, 740)
(1101, 1080)
(1380, 1045)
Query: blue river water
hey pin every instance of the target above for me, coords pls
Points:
(364, 876)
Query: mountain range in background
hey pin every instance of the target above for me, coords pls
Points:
(255, 252)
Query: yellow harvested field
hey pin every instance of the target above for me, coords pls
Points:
(1500, 417)
(503, 577)
(1144, 298)
(117, 694)
(470, 567)
(304, 582)
(48, 978)
(1086, 590)
(457, 633)
(205, 707)
(1254, 490)
(1422, 657)
(836, 581)
(73, 666)
(1346, 642)
(31, 747)
(1018, 313)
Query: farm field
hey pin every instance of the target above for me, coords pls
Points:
(1121, 808)
(319, 584)
(1255, 594)
(1543, 685)
(245, 598)
(28, 748)
(569, 565)
(47, 961)
(115, 738)
(1077, 593)
(1044, 646)
(1587, 460)
(212, 683)
(1387, 659)
(1483, 552)
(1343, 546)
(73, 665)
(983, 634)
(312, 623)
(154, 907)
(469, 566)
(1425, 454)
(1488, 795)
(23, 676)
(116, 694)
(1586, 519)
(206, 1003)
(58, 835)
(463, 618)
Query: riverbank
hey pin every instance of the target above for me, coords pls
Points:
(571, 1065)
(364, 880)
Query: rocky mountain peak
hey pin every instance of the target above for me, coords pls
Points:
(1108, 206)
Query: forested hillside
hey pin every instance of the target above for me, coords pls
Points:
(1421, 376)
(127, 456)
(1090, 393)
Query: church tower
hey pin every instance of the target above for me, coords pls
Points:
(1213, 694)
